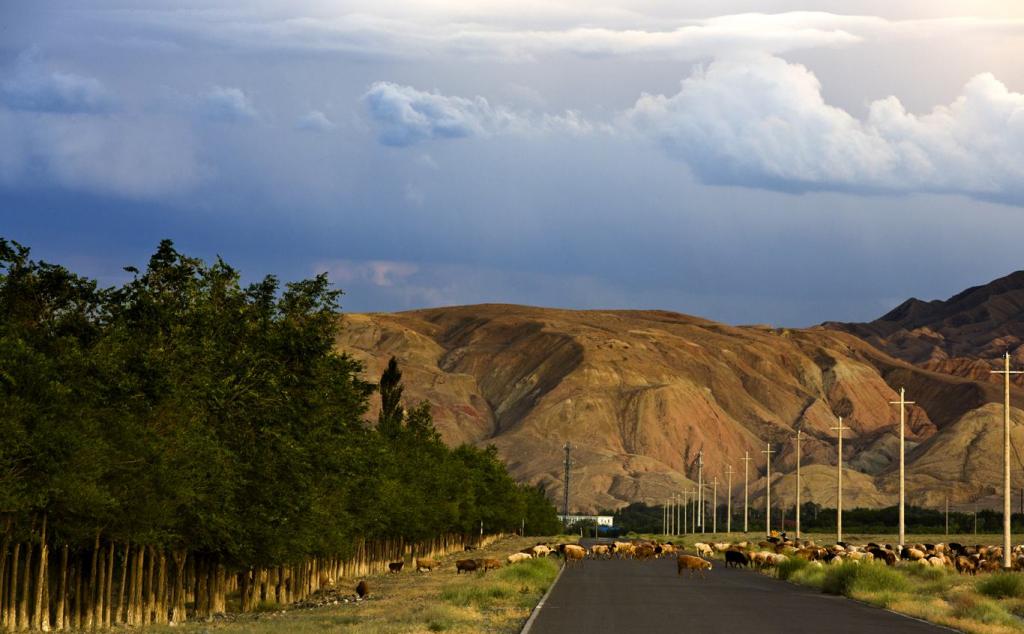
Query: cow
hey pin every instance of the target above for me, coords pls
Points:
(362, 589)
(396, 566)
(465, 565)
(488, 564)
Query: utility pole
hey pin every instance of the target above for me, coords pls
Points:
(714, 507)
(839, 483)
(675, 518)
(903, 402)
(947, 515)
(799, 437)
(728, 499)
(768, 489)
(565, 495)
(700, 488)
(686, 508)
(1006, 372)
(693, 512)
(746, 487)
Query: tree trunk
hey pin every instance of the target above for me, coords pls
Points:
(26, 588)
(100, 590)
(38, 607)
(62, 589)
(5, 545)
(137, 593)
(76, 607)
(121, 616)
(150, 593)
(12, 600)
(202, 596)
(178, 605)
(109, 585)
(160, 608)
(90, 591)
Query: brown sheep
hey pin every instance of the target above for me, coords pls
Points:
(691, 563)
(574, 553)
(966, 565)
(396, 566)
(425, 564)
(362, 589)
(644, 551)
(465, 565)
(488, 564)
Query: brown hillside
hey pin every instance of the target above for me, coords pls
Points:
(640, 393)
(964, 335)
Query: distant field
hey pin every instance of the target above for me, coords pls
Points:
(439, 601)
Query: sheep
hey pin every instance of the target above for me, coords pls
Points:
(573, 553)
(540, 550)
(644, 551)
(721, 547)
(600, 550)
(488, 564)
(362, 589)
(736, 558)
(465, 565)
(691, 563)
(396, 566)
(703, 549)
(624, 549)
(424, 564)
(515, 558)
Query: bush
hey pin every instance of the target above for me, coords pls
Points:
(851, 577)
(788, 568)
(1003, 584)
(967, 605)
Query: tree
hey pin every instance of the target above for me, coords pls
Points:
(391, 415)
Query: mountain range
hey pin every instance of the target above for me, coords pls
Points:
(640, 394)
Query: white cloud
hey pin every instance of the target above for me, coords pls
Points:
(316, 121)
(31, 86)
(404, 116)
(385, 273)
(759, 121)
(223, 103)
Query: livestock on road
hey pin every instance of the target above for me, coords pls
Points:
(691, 563)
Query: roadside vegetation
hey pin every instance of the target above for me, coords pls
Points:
(498, 601)
(988, 603)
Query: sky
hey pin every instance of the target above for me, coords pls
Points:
(749, 162)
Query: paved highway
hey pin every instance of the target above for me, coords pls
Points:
(648, 597)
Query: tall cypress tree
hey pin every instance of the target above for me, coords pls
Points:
(390, 420)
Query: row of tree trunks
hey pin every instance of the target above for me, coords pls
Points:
(46, 587)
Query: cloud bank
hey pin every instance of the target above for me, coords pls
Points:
(758, 121)
(32, 87)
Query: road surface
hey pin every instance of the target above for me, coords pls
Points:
(647, 596)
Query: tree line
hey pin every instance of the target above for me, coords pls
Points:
(180, 435)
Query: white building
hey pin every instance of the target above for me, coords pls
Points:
(600, 520)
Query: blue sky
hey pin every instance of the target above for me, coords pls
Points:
(810, 161)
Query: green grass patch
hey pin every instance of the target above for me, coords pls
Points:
(968, 605)
(791, 566)
(1002, 585)
(534, 571)
(867, 577)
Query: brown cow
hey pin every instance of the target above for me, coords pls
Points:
(691, 563)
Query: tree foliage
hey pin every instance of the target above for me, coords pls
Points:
(185, 409)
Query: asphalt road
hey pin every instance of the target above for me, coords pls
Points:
(648, 596)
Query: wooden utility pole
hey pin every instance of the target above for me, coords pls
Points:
(746, 487)
(839, 483)
(700, 488)
(714, 507)
(768, 490)
(728, 499)
(565, 497)
(1006, 372)
(903, 402)
(799, 437)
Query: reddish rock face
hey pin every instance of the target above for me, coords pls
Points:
(640, 393)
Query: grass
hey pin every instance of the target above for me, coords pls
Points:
(1002, 585)
(440, 601)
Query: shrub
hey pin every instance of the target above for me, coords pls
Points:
(1003, 584)
(967, 605)
(788, 568)
(852, 577)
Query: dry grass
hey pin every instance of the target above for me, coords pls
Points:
(411, 602)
